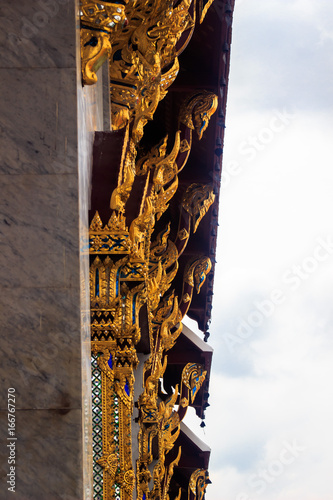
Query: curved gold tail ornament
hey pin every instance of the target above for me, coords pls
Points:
(203, 8)
(98, 27)
(197, 111)
(168, 426)
(195, 275)
(95, 49)
(197, 486)
(197, 201)
(168, 476)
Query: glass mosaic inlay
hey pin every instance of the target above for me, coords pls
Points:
(97, 429)
(116, 439)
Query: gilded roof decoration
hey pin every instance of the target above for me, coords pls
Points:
(134, 267)
(131, 272)
(99, 23)
(142, 40)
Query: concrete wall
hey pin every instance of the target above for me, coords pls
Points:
(47, 122)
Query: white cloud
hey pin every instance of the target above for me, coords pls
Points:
(283, 51)
(275, 387)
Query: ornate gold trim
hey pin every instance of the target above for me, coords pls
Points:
(129, 273)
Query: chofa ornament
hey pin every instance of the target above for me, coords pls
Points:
(142, 40)
(99, 23)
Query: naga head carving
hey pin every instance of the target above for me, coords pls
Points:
(198, 483)
(196, 272)
(197, 201)
(202, 268)
(197, 110)
(193, 376)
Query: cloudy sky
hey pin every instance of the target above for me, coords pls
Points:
(271, 414)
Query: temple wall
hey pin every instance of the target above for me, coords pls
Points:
(44, 315)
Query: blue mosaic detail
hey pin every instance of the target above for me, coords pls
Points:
(127, 390)
(110, 363)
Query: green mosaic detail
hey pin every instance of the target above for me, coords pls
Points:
(115, 411)
(97, 428)
(117, 491)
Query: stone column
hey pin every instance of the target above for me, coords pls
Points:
(47, 122)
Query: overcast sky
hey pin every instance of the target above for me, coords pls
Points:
(270, 419)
